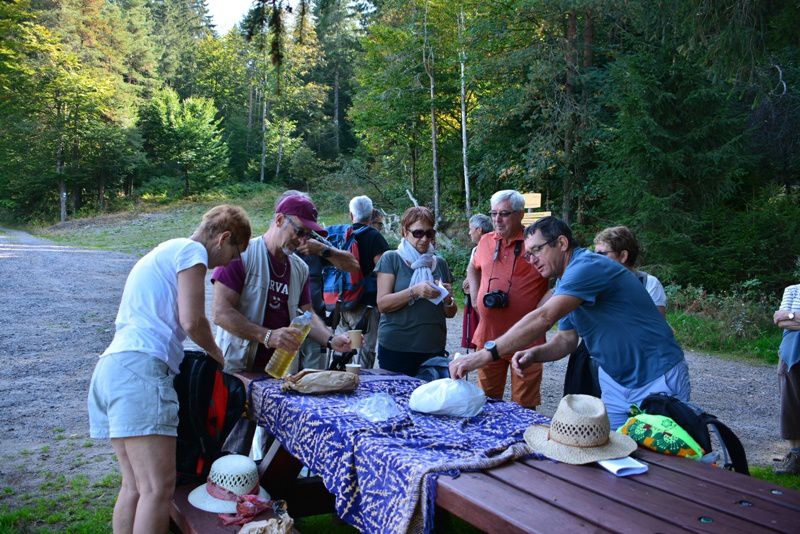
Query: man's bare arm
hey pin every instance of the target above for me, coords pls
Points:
(527, 330)
(341, 259)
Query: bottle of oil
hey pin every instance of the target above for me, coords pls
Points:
(278, 365)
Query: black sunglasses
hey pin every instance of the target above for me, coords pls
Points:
(298, 230)
(430, 234)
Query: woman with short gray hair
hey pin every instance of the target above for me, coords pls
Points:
(479, 224)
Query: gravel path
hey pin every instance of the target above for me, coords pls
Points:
(57, 312)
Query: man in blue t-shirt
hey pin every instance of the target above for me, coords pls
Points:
(604, 303)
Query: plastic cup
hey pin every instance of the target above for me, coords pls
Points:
(355, 338)
(354, 368)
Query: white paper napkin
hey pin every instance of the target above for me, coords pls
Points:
(442, 293)
(623, 467)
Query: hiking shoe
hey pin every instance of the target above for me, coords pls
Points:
(790, 465)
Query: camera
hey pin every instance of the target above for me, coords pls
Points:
(496, 299)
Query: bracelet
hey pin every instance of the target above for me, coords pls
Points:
(412, 299)
(329, 344)
(266, 338)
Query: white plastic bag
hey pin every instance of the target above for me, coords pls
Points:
(446, 396)
(378, 407)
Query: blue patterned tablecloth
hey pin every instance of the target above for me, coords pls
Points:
(383, 474)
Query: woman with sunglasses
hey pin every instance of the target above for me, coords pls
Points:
(412, 327)
(618, 243)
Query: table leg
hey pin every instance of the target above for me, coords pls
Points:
(304, 496)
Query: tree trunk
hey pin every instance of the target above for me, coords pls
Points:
(101, 193)
(336, 110)
(588, 43)
(62, 184)
(463, 58)
(248, 139)
(567, 177)
(77, 199)
(263, 135)
(62, 195)
(413, 151)
(427, 61)
(280, 151)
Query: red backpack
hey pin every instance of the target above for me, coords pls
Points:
(210, 404)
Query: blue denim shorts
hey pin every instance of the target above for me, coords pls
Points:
(132, 394)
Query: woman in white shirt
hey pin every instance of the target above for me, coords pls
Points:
(132, 400)
(619, 244)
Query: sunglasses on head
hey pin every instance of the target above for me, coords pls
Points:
(418, 234)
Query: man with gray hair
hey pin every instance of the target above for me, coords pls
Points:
(503, 287)
(371, 246)
(257, 295)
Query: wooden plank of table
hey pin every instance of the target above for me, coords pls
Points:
(494, 508)
(681, 509)
(586, 502)
(786, 497)
(732, 501)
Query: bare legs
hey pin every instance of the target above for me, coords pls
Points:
(147, 464)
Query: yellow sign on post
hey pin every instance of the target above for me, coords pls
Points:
(533, 201)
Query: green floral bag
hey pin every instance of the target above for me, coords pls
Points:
(661, 434)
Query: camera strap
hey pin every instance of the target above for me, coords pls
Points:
(517, 252)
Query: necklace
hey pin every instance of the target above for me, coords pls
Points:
(275, 271)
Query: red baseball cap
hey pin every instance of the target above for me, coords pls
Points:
(302, 208)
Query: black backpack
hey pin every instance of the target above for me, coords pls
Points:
(434, 369)
(696, 422)
(210, 404)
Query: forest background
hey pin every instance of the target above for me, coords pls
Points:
(678, 118)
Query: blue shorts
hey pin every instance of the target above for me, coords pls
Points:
(132, 394)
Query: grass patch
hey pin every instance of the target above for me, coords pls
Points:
(699, 332)
(766, 474)
(64, 505)
(138, 231)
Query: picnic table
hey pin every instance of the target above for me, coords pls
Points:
(387, 477)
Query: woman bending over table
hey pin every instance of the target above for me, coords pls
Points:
(131, 397)
(412, 328)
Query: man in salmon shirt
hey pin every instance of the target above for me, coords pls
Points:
(504, 288)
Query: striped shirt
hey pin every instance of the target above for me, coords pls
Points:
(791, 298)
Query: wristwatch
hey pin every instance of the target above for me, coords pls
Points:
(790, 316)
(491, 346)
(326, 252)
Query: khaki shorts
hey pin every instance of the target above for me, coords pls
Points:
(132, 394)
